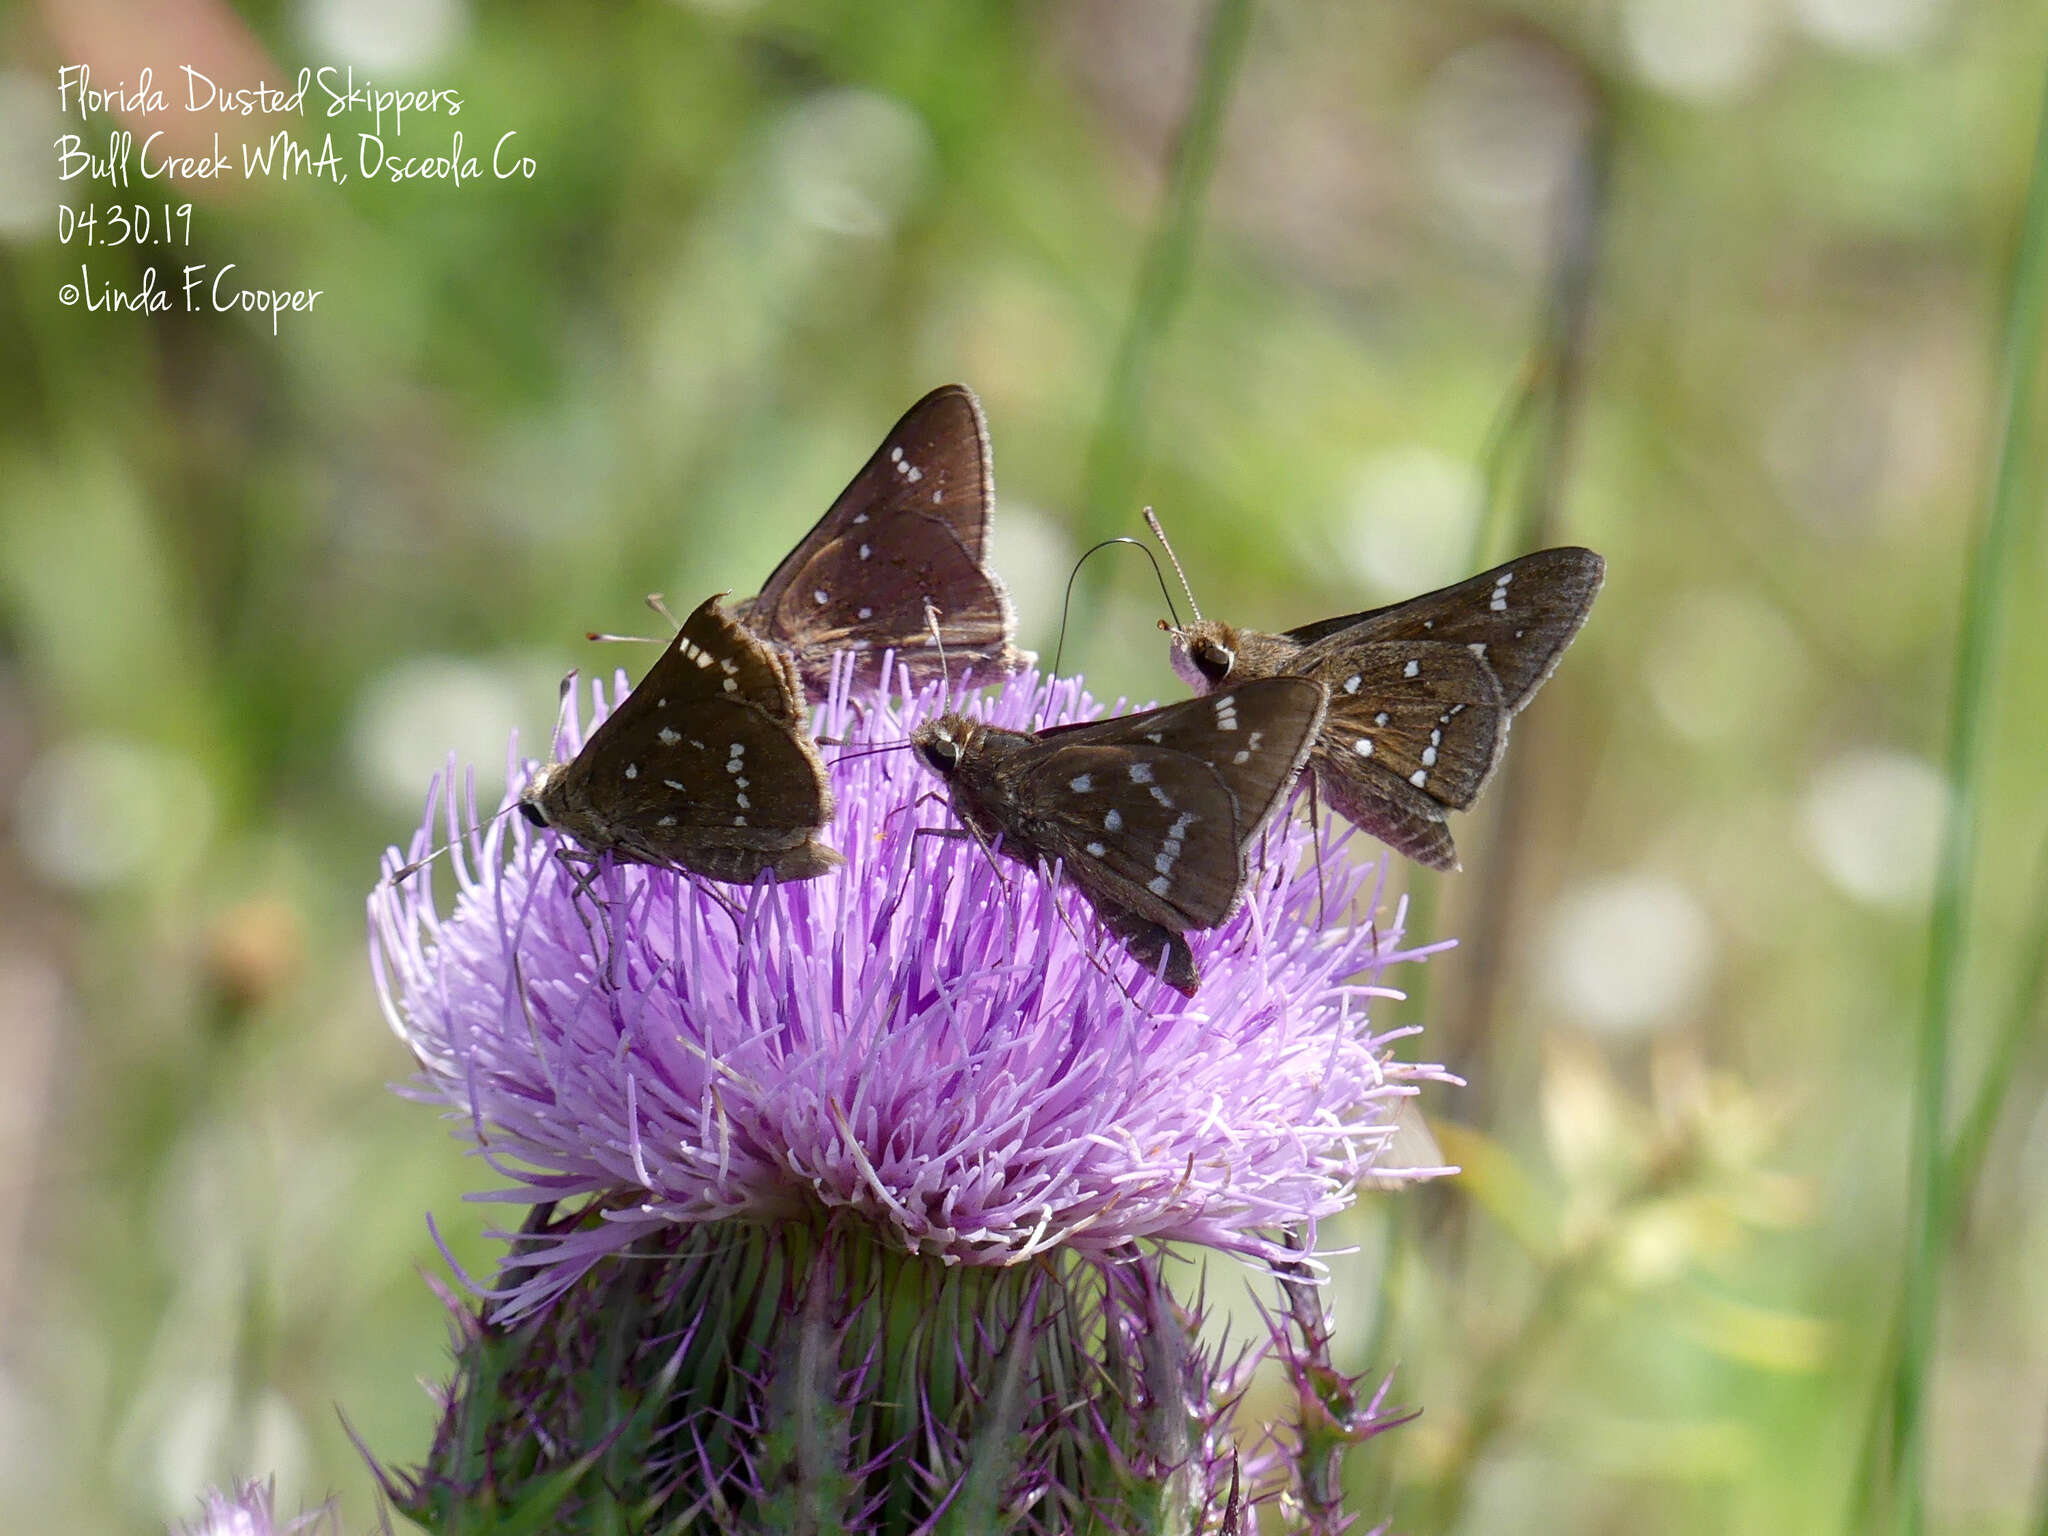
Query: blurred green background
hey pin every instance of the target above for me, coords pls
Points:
(1715, 288)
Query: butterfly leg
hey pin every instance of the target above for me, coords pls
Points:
(1089, 950)
(705, 888)
(583, 866)
(1315, 843)
(927, 797)
(988, 851)
(962, 834)
(526, 1007)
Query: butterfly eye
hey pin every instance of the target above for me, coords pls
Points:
(1215, 661)
(532, 813)
(941, 752)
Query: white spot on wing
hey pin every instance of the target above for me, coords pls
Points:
(1419, 777)
(1157, 885)
(1081, 784)
(669, 737)
(865, 613)
(1363, 746)
(820, 597)
(1351, 683)
(632, 770)
(1141, 773)
(1113, 820)
(1096, 850)
(1413, 669)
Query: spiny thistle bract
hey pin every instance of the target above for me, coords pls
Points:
(848, 1196)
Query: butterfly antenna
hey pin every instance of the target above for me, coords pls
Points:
(405, 872)
(608, 639)
(848, 757)
(1159, 533)
(565, 708)
(1067, 601)
(932, 615)
(654, 601)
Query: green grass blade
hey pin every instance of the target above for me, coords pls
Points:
(2021, 1025)
(1162, 276)
(2038, 1525)
(1964, 1164)
(1948, 928)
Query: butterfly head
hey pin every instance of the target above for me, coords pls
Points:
(1204, 654)
(542, 791)
(943, 740)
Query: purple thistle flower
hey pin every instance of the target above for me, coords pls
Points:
(250, 1510)
(928, 1038)
(925, 1065)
